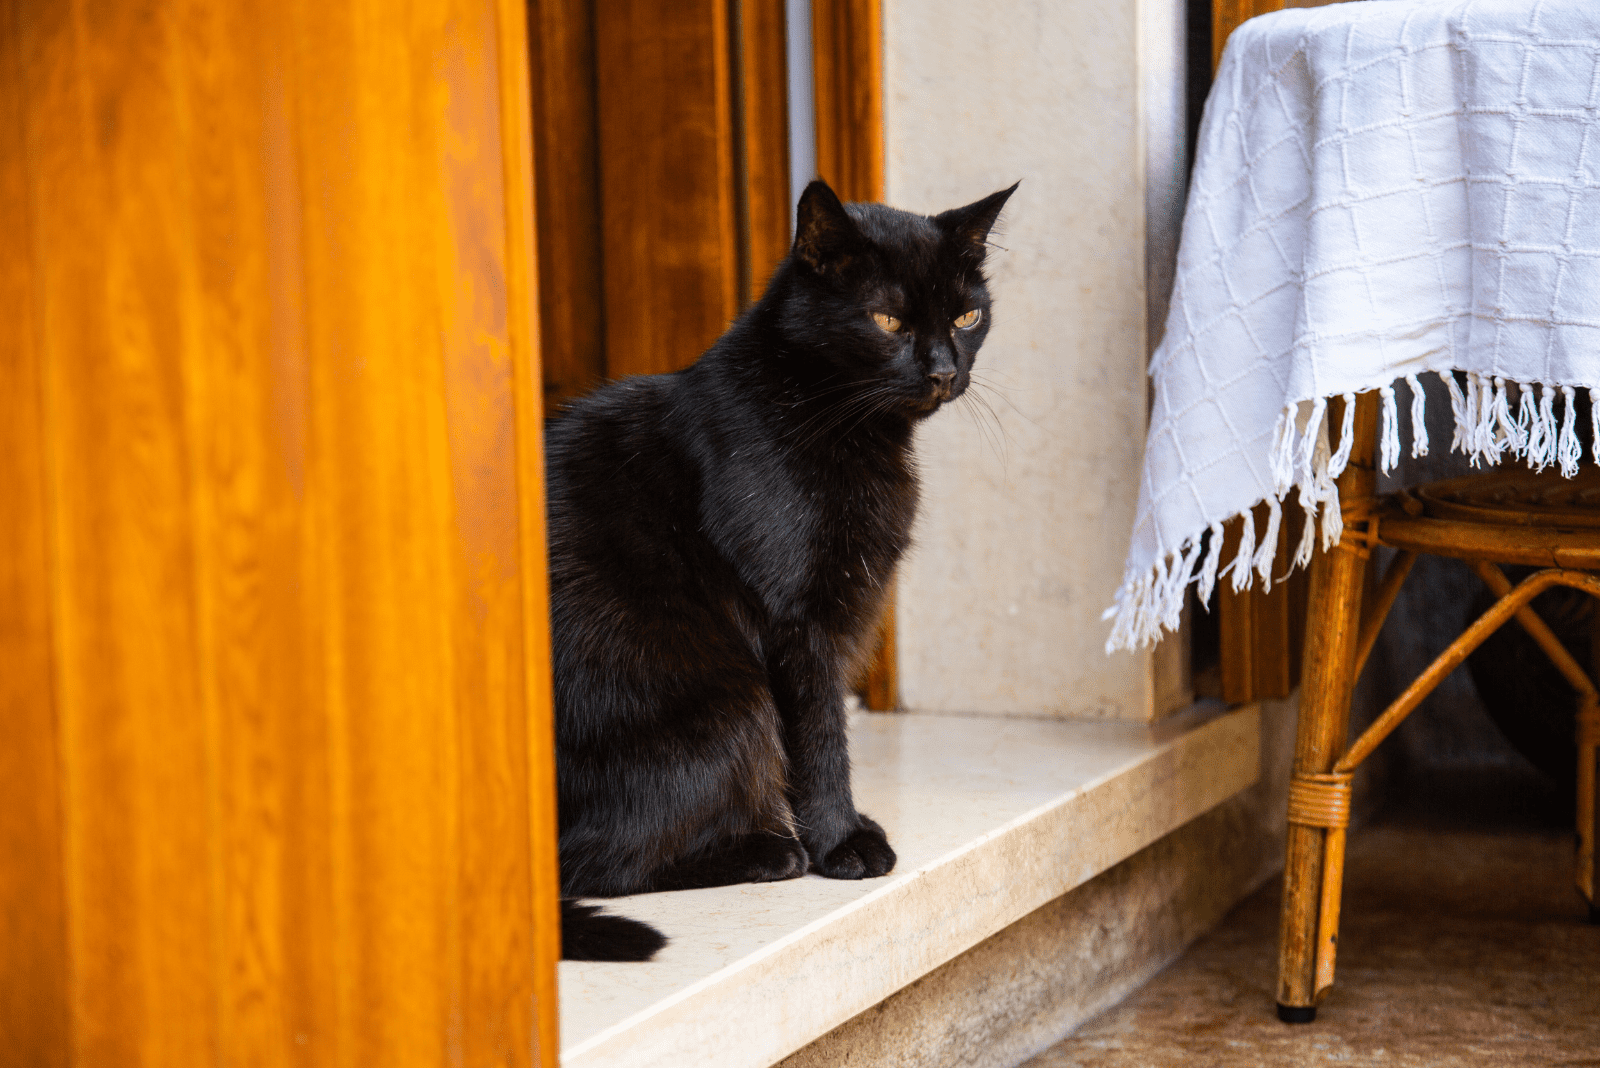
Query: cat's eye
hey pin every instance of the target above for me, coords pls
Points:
(886, 322)
(968, 320)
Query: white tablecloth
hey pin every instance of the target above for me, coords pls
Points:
(1381, 189)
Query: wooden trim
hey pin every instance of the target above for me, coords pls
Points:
(881, 691)
(1259, 626)
(567, 185)
(1227, 15)
(668, 208)
(764, 141)
(523, 332)
(847, 57)
(35, 1018)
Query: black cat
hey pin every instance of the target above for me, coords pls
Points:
(721, 541)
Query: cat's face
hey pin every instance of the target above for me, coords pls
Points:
(898, 300)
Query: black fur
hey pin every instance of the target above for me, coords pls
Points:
(721, 540)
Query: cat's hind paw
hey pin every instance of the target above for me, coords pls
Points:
(864, 854)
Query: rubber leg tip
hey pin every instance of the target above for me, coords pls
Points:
(1297, 1013)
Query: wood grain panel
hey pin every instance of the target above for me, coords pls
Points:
(567, 157)
(847, 53)
(763, 141)
(519, 156)
(1226, 15)
(667, 181)
(33, 951)
(1257, 626)
(284, 283)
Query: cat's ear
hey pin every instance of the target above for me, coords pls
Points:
(826, 239)
(971, 225)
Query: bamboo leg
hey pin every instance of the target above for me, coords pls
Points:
(1328, 915)
(1334, 615)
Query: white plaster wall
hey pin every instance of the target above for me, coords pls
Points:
(1026, 514)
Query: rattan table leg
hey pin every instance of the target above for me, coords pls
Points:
(1333, 618)
(1333, 615)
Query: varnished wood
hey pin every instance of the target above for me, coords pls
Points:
(1258, 624)
(668, 201)
(1235, 618)
(567, 159)
(1337, 578)
(281, 314)
(35, 985)
(882, 686)
(524, 335)
(847, 51)
(1226, 16)
(763, 141)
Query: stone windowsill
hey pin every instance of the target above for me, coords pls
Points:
(991, 817)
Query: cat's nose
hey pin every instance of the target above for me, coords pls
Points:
(942, 381)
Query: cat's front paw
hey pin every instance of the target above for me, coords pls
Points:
(864, 854)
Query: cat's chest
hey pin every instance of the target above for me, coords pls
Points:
(816, 542)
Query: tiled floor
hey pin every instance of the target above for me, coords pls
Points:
(1463, 943)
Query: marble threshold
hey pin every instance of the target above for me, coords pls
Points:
(991, 818)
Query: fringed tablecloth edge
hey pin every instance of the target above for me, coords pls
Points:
(1151, 598)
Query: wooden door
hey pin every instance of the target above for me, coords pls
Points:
(276, 784)
(663, 200)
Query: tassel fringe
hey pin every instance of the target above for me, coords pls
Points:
(1303, 460)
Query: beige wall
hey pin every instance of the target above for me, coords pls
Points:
(1025, 515)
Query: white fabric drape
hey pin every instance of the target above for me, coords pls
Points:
(1381, 190)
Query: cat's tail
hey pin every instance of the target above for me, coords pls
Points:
(589, 934)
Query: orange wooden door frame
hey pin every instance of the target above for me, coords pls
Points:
(277, 784)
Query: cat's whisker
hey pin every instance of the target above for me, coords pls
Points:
(976, 415)
(1003, 446)
(988, 379)
(1009, 403)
